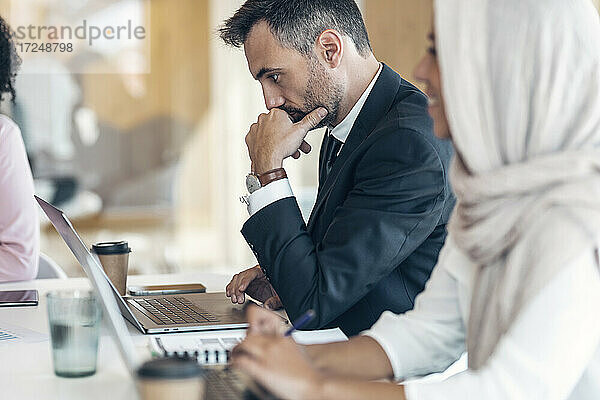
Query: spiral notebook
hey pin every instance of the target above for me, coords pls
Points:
(208, 347)
(213, 348)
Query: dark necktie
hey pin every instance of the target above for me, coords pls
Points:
(332, 148)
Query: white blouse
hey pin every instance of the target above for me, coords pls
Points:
(552, 351)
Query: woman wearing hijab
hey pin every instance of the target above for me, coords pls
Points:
(516, 85)
(19, 227)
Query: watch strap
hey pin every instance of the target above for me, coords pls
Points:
(272, 176)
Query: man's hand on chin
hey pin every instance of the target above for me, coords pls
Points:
(274, 137)
(255, 284)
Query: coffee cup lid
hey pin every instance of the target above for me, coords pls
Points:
(106, 248)
(171, 368)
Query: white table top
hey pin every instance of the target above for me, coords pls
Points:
(26, 369)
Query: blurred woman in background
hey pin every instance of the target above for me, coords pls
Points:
(19, 227)
(516, 85)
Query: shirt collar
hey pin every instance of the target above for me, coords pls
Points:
(342, 130)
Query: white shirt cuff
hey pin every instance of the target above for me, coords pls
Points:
(269, 194)
(411, 391)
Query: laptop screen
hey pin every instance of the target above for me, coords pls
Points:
(111, 303)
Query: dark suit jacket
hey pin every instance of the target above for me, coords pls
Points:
(378, 224)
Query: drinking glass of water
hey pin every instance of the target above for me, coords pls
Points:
(74, 318)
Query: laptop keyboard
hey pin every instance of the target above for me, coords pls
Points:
(175, 310)
(226, 384)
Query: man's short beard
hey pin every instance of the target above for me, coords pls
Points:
(321, 91)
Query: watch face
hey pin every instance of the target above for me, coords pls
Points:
(252, 183)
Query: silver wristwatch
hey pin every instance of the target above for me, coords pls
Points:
(255, 181)
(252, 183)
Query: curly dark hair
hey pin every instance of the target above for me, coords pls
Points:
(9, 61)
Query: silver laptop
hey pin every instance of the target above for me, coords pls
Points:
(153, 314)
(222, 383)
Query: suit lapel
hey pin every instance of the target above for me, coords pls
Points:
(376, 107)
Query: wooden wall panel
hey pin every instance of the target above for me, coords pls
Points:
(179, 83)
(398, 31)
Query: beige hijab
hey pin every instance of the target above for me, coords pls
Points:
(521, 83)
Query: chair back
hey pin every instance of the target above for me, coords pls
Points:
(48, 269)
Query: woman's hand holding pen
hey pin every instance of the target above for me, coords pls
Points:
(286, 369)
(278, 364)
(273, 360)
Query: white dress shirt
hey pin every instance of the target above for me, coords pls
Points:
(281, 189)
(550, 352)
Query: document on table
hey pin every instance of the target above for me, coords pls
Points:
(213, 347)
(10, 333)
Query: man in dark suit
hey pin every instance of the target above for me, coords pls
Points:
(379, 220)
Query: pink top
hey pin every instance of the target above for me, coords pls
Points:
(19, 225)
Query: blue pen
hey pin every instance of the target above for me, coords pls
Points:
(301, 321)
